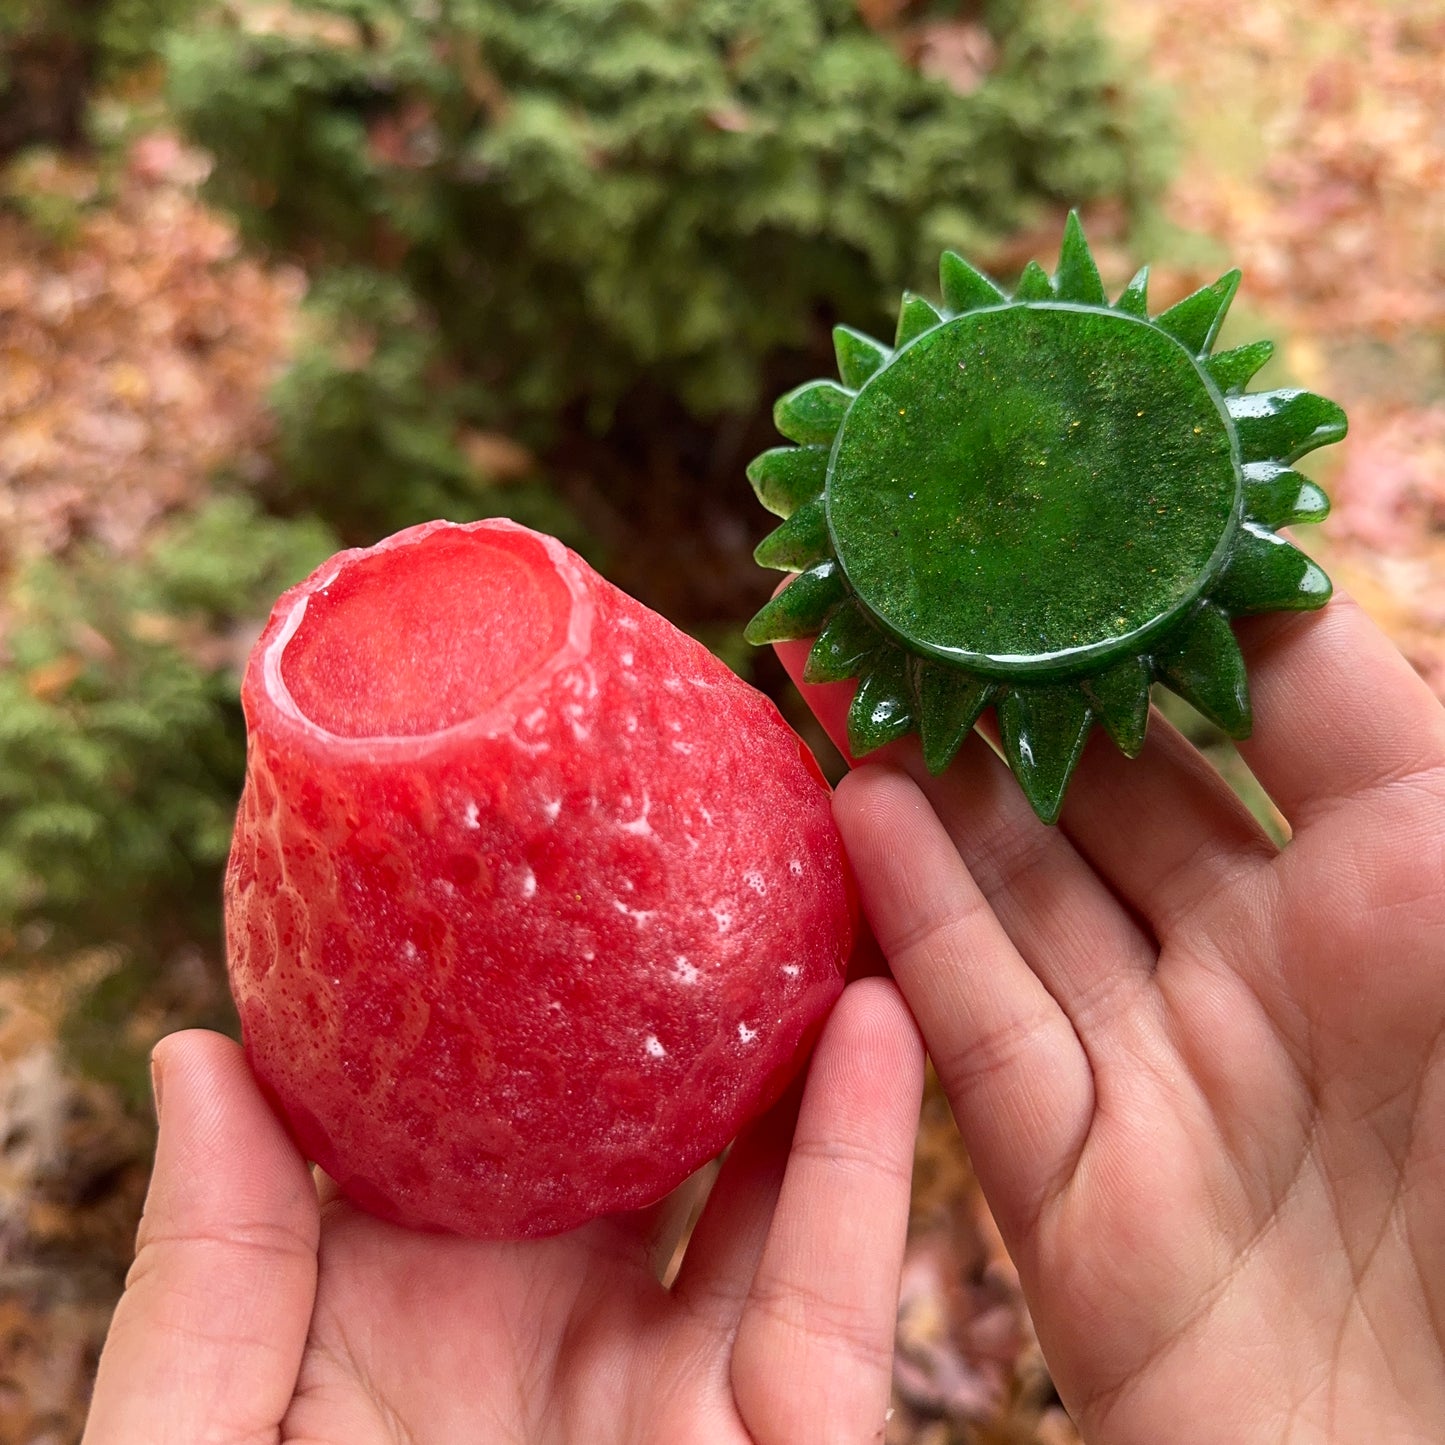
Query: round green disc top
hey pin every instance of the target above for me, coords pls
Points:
(965, 499)
(1042, 502)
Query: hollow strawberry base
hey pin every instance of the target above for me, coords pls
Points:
(532, 903)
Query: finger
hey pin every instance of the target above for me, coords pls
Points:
(1164, 829)
(813, 1360)
(722, 1256)
(1338, 713)
(1019, 1080)
(1063, 919)
(206, 1341)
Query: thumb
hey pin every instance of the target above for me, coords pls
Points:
(206, 1341)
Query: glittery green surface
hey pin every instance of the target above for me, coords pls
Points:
(1033, 491)
(1042, 504)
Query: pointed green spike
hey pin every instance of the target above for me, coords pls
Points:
(1058, 602)
(1283, 425)
(1120, 699)
(799, 543)
(1134, 299)
(1034, 284)
(882, 709)
(813, 412)
(1206, 669)
(1276, 496)
(801, 608)
(843, 646)
(1196, 320)
(859, 356)
(1266, 573)
(965, 289)
(786, 477)
(1232, 370)
(949, 703)
(1077, 278)
(915, 316)
(1044, 730)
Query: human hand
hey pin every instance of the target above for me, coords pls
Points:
(1202, 1080)
(256, 1312)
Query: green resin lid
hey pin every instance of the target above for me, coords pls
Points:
(1043, 503)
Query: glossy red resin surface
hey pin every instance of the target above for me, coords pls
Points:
(532, 903)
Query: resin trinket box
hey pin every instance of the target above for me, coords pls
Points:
(1043, 503)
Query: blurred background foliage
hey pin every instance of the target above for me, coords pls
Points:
(278, 276)
(122, 746)
(582, 200)
(54, 53)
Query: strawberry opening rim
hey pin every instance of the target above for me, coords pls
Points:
(499, 715)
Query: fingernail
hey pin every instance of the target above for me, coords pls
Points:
(156, 1085)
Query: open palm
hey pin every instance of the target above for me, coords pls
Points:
(257, 1313)
(1202, 1079)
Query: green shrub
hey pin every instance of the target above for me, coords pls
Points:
(121, 743)
(131, 33)
(115, 35)
(53, 52)
(586, 198)
(373, 423)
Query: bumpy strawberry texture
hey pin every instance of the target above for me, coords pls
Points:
(532, 903)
